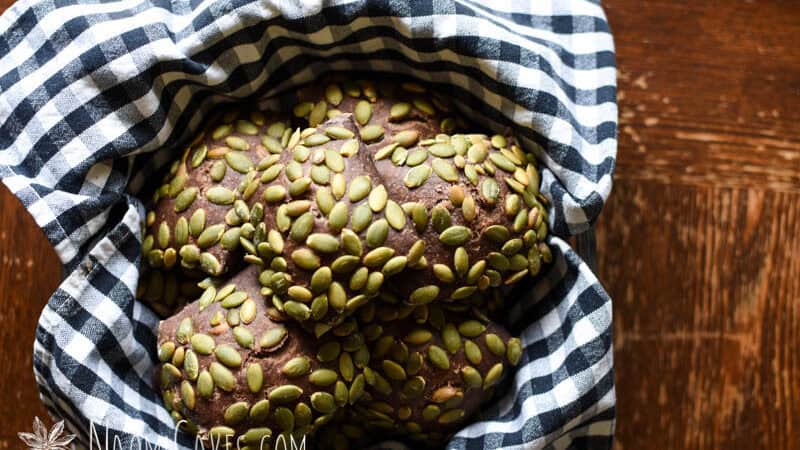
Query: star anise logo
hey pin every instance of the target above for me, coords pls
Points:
(40, 439)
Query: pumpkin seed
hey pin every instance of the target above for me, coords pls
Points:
(377, 233)
(271, 173)
(416, 157)
(338, 185)
(255, 436)
(361, 218)
(406, 138)
(299, 186)
(165, 351)
(495, 344)
(300, 294)
(438, 357)
(498, 261)
(395, 215)
(237, 143)
(430, 413)
(451, 416)
(399, 111)
(445, 394)
(443, 273)
(191, 365)
(325, 200)
(417, 176)
(419, 215)
(442, 150)
(378, 256)
(255, 377)
(297, 311)
(323, 402)
(394, 266)
(450, 338)
(393, 370)
(239, 162)
(329, 351)
(463, 292)
(317, 114)
(219, 433)
(187, 394)
(320, 175)
(284, 418)
(418, 336)
(184, 331)
(345, 264)
(220, 195)
(359, 188)
(475, 272)
(416, 252)
(319, 307)
(349, 148)
(230, 239)
(302, 227)
(334, 161)
(502, 162)
(337, 132)
(273, 337)
(514, 351)
(243, 336)
(455, 235)
(284, 394)
(424, 295)
(378, 198)
(274, 194)
(359, 279)
(163, 235)
(205, 384)
(351, 243)
(385, 151)
(228, 355)
(223, 378)
(333, 94)
(337, 219)
(259, 412)
(233, 300)
(296, 367)
(357, 389)
(202, 343)
(323, 377)
(185, 199)
(493, 376)
(497, 234)
(440, 218)
(346, 367)
(363, 112)
(472, 352)
(490, 190)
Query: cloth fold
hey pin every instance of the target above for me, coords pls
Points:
(96, 97)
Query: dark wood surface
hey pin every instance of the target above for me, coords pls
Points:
(699, 245)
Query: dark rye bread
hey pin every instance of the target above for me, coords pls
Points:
(474, 223)
(416, 373)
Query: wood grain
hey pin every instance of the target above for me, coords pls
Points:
(699, 243)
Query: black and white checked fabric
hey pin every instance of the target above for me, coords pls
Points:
(97, 96)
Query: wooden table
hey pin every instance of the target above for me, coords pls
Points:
(699, 244)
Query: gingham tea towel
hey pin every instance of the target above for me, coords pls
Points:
(97, 96)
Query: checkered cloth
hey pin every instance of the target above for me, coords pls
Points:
(97, 97)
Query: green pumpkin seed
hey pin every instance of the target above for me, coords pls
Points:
(221, 131)
(451, 416)
(230, 239)
(272, 173)
(475, 272)
(359, 188)
(493, 376)
(259, 412)
(320, 175)
(514, 351)
(442, 150)
(274, 194)
(220, 195)
(185, 199)
(438, 357)
(424, 106)
(243, 336)
(443, 273)
(203, 343)
(284, 394)
(406, 138)
(228, 355)
(184, 331)
(349, 148)
(337, 219)
(351, 243)
(337, 296)
(490, 190)
(297, 311)
(325, 200)
(299, 186)
(441, 220)
(455, 235)
(239, 162)
(296, 367)
(191, 365)
(417, 176)
(385, 152)
(323, 402)
(377, 233)
(233, 300)
(395, 215)
(165, 351)
(357, 389)
(495, 344)
(378, 257)
(430, 413)
(416, 252)
(394, 266)
(210, 264)
(316, 139)
(363, 112)
(177, 184)
(205, 384)
(450, 338)
(502, 162)
(223, 378)
(361, 218)
(337, 132)
(378, 198)
(329, 351)
(333, 94)
(498, 261)
(418, 336)
(284, 418)
(273, 337)
(302, 227)
(187, 394)
(472, 352)
(237, 143)
(463, 292)
(319, 307)
(302, 416)
(345, 264)
(323, 243)
(255, 377)
(323, 377)
(497, 234)
(419, 215)
(338, 185)
(334, 161)
(305, 259)
(424, 295)
(236, 413)
(416, 157)
(399, 111)
(217, 171)
(258, 436)
(346, 367)
(219, 433)
(321, 279)
(393, 370)
(300, 294)
(317, 114)
(163, 235)
(246, 127)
